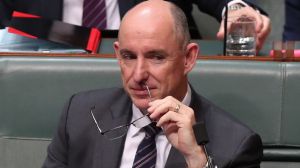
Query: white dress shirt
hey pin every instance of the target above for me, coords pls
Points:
(73, 9)
(136, 135)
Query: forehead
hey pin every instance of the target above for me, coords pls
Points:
(147, 23)
(146, 35)
(145, 42)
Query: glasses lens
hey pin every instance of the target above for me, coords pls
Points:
(116, 133)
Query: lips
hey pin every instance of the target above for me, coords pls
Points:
(139, 92)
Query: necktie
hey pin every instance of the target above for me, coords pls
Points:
(146, 153)
(94, 14)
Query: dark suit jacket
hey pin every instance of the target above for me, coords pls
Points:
(78, 143)
(52, 9)
(292, 20)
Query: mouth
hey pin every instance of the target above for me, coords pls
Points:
(143, 91)
(140, 92)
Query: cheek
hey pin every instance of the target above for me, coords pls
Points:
(165, 77)
(172, 77)
(125, 73)
(125, 79)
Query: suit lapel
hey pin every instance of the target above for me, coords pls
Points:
(196, 105)
(175, 159)
(109, 152)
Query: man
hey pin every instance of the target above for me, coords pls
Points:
(155, 56)
(71, 11)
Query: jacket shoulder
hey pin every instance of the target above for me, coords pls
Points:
(229, 138)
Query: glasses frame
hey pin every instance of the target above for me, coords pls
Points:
(117, 127)
(121, 126)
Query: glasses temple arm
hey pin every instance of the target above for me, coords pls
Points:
(96, 121)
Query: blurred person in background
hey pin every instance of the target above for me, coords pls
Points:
(291, 30)
(72, 11)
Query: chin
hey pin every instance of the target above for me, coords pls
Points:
(142, 104)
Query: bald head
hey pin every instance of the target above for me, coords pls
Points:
(153, 49)
(156, 16)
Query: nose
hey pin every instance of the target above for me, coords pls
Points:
(141, 72)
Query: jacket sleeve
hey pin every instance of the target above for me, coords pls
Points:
(255, 6)
(212, 7)
(5, 12)
(57, 153)
(215, 7)
(249, 153)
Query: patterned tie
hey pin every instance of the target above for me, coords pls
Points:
(94, 14)
(145, 156)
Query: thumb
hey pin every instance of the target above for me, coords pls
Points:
(220, 34)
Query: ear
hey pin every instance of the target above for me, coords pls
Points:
(192, 51)
(117, 48)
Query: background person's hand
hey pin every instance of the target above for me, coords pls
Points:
(263, 24)
(177, 121)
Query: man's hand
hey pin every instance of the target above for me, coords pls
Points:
(177, 121)
(263, 24)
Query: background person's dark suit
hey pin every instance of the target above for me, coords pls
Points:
(292, 20)
(53, 9)
(79, 144)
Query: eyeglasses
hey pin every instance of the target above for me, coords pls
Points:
(119, 131)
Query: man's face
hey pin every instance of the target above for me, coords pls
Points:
(151, 56)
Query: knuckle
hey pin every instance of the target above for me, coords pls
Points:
(169, 97)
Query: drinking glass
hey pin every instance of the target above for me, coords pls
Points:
(277, 49)
(241, 36)
(289, 49)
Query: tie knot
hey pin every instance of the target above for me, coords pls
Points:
(151, 130)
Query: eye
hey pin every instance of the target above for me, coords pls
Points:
(128, 56)
(157, 58)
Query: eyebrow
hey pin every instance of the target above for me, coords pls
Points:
(122, 51)
(160, 52)
(151, 52)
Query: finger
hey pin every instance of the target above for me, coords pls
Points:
(156, 103)
(171, 116)
(162, 101)
(169, 127)
(263, 34)
(154, 106)
(259, 21)
(161, 109)
(266, 27)
(181, 120)
(231, 18)
(250, 12)
(220, 34)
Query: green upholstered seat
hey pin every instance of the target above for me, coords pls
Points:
(33, 90)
